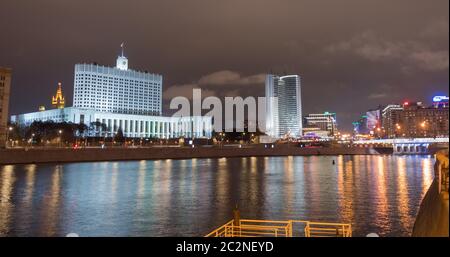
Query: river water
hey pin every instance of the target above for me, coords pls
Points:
(379, 194)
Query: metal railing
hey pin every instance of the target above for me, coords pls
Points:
(276, 228)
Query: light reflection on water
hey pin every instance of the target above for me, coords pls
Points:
(378, 194)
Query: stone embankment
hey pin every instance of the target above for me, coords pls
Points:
(432, 219)
(55, 155)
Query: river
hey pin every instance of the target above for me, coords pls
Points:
(376, 194)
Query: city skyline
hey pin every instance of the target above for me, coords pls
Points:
(242, 119)
(390, 59)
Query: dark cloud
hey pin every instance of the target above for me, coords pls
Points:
(411, 53)
(219, 83)
(345, 50)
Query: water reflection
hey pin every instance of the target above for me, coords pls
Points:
(349, 185)
(51, 201)
(380, 192)
(6, 204)
(190, 197)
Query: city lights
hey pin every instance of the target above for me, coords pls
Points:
(245, 119)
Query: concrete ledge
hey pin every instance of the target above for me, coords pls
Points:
(432, 219)
(33, 155)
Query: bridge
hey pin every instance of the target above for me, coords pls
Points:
(407, 145)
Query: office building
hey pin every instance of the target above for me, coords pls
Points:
(323, 121)
(390, 120)
(416, 120)
(133, 126)
(117, 89)
(283, 106)
(5, 88)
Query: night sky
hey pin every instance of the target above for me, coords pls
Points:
(352, 55)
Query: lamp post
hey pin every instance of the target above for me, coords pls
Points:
(7, 136)
(60, 137)
(31, 139)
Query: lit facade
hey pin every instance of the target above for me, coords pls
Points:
(373, 119)
(390, 120)
(360, 126)
(5, 88)
(133, 126)
(58, 100)
(324, 121)
(117, 89)
(416, 120)
(119, 98)
(283, 106)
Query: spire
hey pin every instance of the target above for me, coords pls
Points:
(122, 46)
(58, 100)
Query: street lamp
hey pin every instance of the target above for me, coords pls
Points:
(60, 138)
(7, 135)
(30, 142)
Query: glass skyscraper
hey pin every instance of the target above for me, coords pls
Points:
(283, 106)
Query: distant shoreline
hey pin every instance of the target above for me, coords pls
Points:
(64, 155)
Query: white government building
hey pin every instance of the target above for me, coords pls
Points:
(120, 98)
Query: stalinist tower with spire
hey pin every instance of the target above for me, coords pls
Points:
(58, 100)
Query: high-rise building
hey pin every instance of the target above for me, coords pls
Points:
(324, 121)
(283, 106)
(58, 100)
(5, 87)
(390, 120)
(415, 119)
(117, 89)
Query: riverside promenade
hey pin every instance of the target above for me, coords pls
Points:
(58, 155)
(432, 219)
